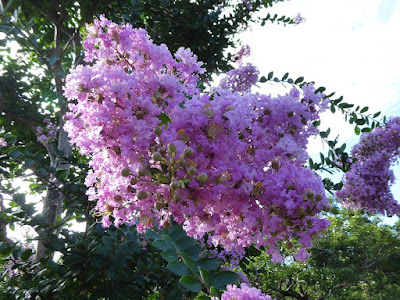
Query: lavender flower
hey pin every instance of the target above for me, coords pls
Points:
(367, 184)
(3, 142)
(245, 292)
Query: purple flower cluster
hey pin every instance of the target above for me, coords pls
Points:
(227, 165)
(241, 79)
(367, 184)
(3, 142)
(245, 292)
(298, 19)
(248, 3)
(242, 53)
(48, 134)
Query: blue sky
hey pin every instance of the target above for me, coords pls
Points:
(350, 47)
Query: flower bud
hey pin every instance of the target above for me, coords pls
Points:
(167, 224)
(171, 149)
(142, 172)
(326, 208)
(159, 205)
(174, 185)
(125, 172)
(181, 162)
(142, 195)
(157, 131)
(202, 177)
(162, 151)
(157, 156)
(188, 152)
(133, 181)
(191, 171)
(177, 198)
(117, 198)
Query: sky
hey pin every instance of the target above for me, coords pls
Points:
(351, 47)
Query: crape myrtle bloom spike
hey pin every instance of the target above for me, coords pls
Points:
(228, 163)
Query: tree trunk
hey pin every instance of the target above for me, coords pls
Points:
(52, 206)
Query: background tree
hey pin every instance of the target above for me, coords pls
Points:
(358, 258)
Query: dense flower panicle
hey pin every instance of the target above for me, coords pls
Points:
(367, 184)
(244, 292)
(47, 134)
(3, 142)
(241, 79)
(228, 164)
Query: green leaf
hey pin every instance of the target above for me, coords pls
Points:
(360, 121)
(270, 75)
(189, 262)
(208, 264)
(62, 175)
(215, 292)
(161, 178)
(184, 243)
(191, 283)
(298, 80)
(14, 154)
(376, 114)
(205, 276)
(160, 245)
(169, 255)
(29, 163)
(263, 79)
(285, 76)
(221, 279)
(194, 251)
(357, 130)
(165, 119)
(42, 172)
(333, 109)
(6, 251)
(152, 235)
(10, 139)
(203, 297)
(345, 105)
(364, 109)
(53, 59)
(310, 163)
(26, 254)
(178, 268)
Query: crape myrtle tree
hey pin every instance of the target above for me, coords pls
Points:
(185, 175)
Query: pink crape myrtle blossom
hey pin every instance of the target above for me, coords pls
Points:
(244, 292)
(225, 163)
(3, 142)
(367, 184)
(47, 134)
(240, 79)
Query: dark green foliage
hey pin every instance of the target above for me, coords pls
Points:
(358, 258)
(187, 259)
